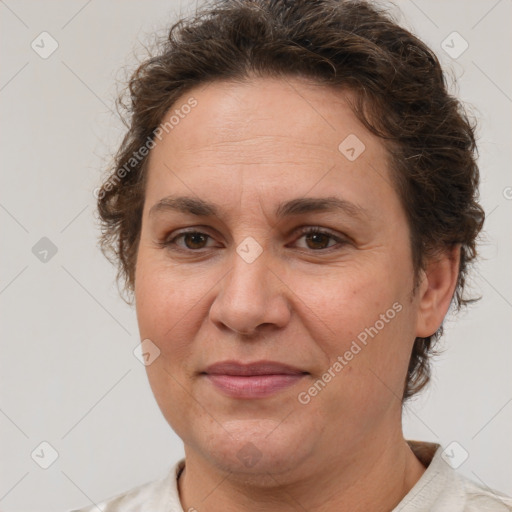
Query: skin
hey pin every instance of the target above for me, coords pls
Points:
(247, 147)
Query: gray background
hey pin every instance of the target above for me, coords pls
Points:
(68, 373)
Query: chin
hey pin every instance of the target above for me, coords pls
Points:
(255, 448)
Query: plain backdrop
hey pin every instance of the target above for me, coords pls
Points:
(68, 375)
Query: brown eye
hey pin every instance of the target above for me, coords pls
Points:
(194, 240)
(188, 241)
(318, 240)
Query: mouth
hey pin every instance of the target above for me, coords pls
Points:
(252, 380)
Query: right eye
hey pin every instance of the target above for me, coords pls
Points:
(191, 241)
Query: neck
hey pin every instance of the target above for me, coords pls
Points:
(376, 477)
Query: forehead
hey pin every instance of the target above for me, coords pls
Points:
(266, 112)
(268, 134)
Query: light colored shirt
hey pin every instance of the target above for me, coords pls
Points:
(440, 489)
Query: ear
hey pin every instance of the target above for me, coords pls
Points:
(436, 291)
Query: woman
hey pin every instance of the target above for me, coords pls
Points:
(294, 209)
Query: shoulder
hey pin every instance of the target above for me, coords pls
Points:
(478, 498)
(159, 494)
(442, 489)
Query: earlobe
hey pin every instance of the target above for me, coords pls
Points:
(436, 290)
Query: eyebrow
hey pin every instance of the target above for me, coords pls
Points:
(299, 206)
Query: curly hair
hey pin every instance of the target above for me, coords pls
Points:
(401, 96)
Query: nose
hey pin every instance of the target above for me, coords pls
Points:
(252, 298)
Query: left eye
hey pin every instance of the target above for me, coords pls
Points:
(317, 239)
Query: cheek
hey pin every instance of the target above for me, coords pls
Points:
(348, 300)
(367, 321)
(165, 307)
(167, 296)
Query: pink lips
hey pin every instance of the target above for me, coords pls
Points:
(254, 380)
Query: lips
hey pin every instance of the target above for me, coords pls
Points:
(252, 380)
(252, 369)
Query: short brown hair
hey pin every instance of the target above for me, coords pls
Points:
(401, 97)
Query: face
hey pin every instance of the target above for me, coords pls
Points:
(271, 235)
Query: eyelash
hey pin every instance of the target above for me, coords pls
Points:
(171, 243)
